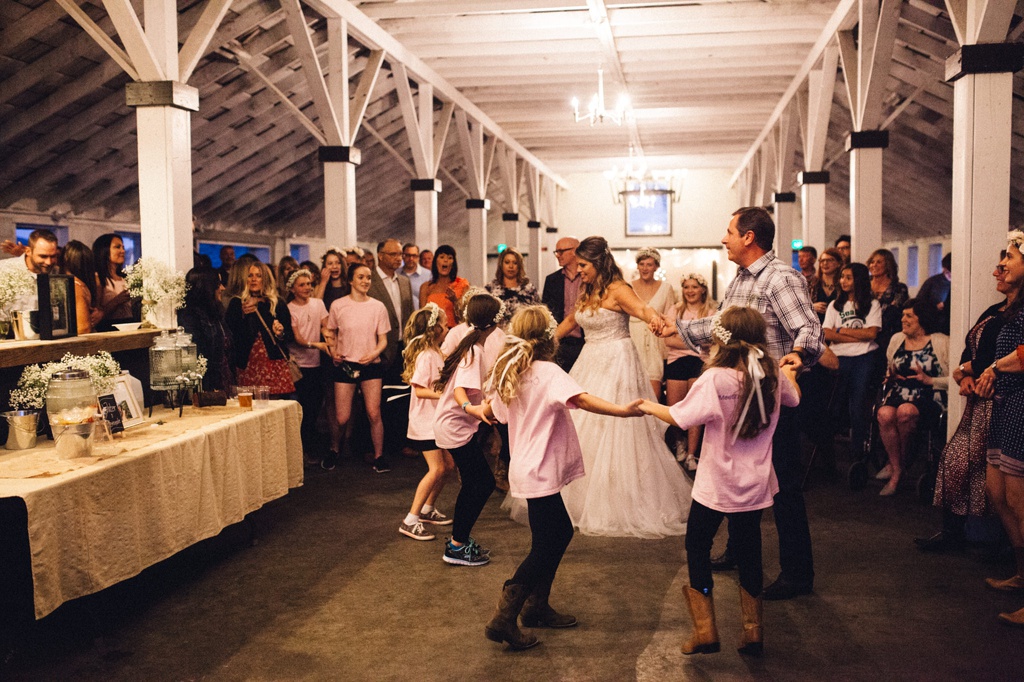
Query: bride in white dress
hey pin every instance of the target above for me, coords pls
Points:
(633, 486)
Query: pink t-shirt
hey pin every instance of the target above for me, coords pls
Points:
(421, 410)
(357, 325)
(546, 453)
(493, 344)
(732, 476)
(453, 428)
(672, 310)
(306, 321)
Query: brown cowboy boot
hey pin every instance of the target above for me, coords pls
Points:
(752, 640)
(537, 613)
(503, 627)
(704, 639)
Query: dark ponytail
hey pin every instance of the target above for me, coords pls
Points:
(481, 313)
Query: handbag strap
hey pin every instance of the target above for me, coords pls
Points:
(272, 337)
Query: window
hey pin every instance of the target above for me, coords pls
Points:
(648, 210)
(912, 278)
(23, 230)
(934, 259)
(299, 252)
(132, 246)
(212, 249)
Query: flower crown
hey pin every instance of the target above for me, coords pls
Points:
(552, 326)
(698, 278)
(301, 272)
(648, 252)
(719, 332)
(1016, 238)
(497, 317)
(435, 314)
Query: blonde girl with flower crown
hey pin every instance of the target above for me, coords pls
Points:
(424, 333)
(737, 399)
(533, 396)
(685, 365)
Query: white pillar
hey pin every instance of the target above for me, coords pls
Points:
(785, 210)
(340, 194)
(865, 149)
(982, 130)
(511, 221)
(425, 199)
(812, 197)
(164, 128)
(534, 264)
(476, 261)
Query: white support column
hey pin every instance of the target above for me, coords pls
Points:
(785, 211)
(340, 194)
(534, 264)
(982, 129)
(815, 110)
(511, 221)
(865, 196)
(477, 258)
(813, 186)
(425, 193)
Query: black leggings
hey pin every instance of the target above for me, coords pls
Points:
(551, 531)
(310, 392)
(477, 486)
(744, 544)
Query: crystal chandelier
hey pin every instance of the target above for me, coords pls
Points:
(640, 184)
(596, 113)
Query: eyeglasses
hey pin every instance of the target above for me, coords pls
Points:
(826, 260)
(1000, 269)
(559, 252)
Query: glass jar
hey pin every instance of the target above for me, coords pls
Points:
(189, 354)
(164, 362)
(71, 398)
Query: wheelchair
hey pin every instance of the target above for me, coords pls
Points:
(922, 456)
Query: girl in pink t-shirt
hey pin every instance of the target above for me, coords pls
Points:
(424, 333)
(461, 384)
(534, 395)
(358, 326)
(737, 398)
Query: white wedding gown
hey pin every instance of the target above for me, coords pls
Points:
(633, 486)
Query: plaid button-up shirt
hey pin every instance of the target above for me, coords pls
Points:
(780, 294)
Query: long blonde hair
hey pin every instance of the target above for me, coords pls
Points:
(269, 285)
(595, 251)
(707, 304)
(531, 337)
(746, 330)
(423, 331)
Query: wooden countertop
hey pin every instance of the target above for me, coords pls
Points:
(18, 353)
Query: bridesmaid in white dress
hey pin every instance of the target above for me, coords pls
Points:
(658, 295)
(633, 486)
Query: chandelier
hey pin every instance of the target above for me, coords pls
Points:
(642, 186)
(596, 112)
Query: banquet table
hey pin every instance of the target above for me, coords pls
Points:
(147, 494)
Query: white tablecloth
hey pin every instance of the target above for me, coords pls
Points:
(161, 488)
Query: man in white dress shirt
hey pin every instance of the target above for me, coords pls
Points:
(40, 258)
(412, 269)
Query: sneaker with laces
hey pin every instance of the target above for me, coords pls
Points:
(467, 555)
(416, 531)
(380, 466)
(435, 517)
(478, 549)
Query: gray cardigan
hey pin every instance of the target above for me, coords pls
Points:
(940, 344)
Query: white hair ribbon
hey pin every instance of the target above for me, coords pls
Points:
(520, 348)
(756, 375)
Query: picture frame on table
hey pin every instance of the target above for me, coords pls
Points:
(57, 295)
(131, 411)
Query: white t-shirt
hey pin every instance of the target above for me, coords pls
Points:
(306, 321)
(732, 476)
(421, 410)
(847, 319)
(453, 428)
(545, 449)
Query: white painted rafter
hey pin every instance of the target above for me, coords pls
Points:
(101, 38)
(129, 29)
(200, 36)
(867, 58)
(314, 74)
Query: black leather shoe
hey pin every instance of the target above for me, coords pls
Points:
(784, 589)
(723, 562)
(940, 542)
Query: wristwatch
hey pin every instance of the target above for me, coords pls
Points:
(465, 404)
(994, 368)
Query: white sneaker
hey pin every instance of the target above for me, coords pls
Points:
(435, 517)
(690, 463)
(885, 473)
(415, 531)
(681, 453)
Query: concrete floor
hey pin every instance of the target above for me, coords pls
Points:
(331, 591)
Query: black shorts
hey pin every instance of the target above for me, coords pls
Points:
(685, 368)
(422, 445)
(354, 373)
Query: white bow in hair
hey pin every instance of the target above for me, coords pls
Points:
(520, 348)
(756, 373)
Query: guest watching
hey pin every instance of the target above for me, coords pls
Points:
(843, 247)
(261, 326)
(285, 267)
(237, 276)
(936, 290)
(916, 382)
(412, 269)
(203, 317)
(112, 295)
(445, 287)
(659, 295)
(511, 285)
(888, 290)
(227, 259)
(805, 258)
(41, 256)
(78, 261)
(332, 281)
(426, 258)
(314, 271)
(561, 290)
(309, 316)
(824, 285)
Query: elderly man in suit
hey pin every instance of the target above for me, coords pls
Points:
(395, 292)
(561, 289)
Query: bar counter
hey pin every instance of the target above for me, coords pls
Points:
(18, 353)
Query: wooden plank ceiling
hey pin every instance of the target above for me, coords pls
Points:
(702, 78)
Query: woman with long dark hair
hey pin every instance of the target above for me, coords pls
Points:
(202, 316)
(112, 295)
(852, 323)
(333, 284)
(79, 262)
(445, 287)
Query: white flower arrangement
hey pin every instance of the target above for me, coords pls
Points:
(1016, 238)
(154, 281)
(14, 283)
(30, 393)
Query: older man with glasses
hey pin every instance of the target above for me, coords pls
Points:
(412, 269)
(561, 290)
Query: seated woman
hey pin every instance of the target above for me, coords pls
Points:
(916, 381)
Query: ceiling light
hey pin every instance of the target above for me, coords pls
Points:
(596, 112)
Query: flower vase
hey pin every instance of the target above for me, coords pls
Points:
(161, 314)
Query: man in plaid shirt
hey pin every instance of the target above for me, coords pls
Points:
(794, 338)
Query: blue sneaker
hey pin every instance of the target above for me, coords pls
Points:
(478, 549)
(467, 555)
